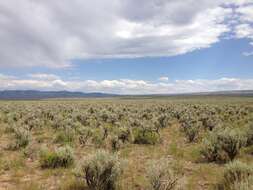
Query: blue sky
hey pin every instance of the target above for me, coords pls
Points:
(120, 48)
(223, 59)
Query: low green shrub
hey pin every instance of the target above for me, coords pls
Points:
(211, 149)
(62, 157)
(102, 170)
(145, 136)
(97, 137)
(231, 141)
(161, 176)
(222, 145)
(65, 136)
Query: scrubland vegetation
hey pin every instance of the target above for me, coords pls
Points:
(127, 144)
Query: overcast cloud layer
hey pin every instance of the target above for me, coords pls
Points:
(52, 33)
(123, 86)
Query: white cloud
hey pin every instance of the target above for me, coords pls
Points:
(164, 79)
(49, 33)
(244, 31)
(245, 27)
(127, 86)
(43, 76)
(246, 13)
(247, 54)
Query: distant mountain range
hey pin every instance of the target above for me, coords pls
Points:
(35, 94)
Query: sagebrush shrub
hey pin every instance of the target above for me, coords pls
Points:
(163, 121)
(161, 176)
(125, 134)
(62, 157)
(246, 184)
(65, 136)
(102, 170)
(191, 129)
(236, 174)
(211, 150)
(191, 133)
(84, 135)
(223, 145)
(22, 139)
(97, 137)
(249, 135)
(145, 136)
(116, 143)
(231, 141)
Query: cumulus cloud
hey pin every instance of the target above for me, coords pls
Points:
(245, 27)
(126, 86)
(49, 33)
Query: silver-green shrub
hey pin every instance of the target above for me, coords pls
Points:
(62, 157)
(161, 176)
(22, 138)
(223, 144)
(237, 176)
(102, 171)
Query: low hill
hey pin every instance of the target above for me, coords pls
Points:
(34, 94)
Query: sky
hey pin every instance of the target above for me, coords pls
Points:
(126, 46)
